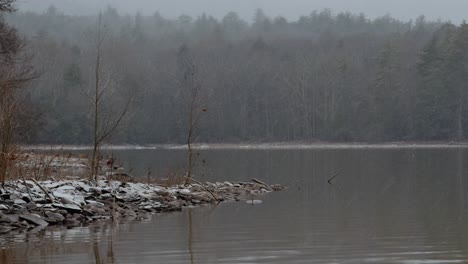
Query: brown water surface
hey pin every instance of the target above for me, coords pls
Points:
(385, 206)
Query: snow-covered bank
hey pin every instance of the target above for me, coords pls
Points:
(32, 205)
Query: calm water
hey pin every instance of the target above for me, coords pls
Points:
(386, 206)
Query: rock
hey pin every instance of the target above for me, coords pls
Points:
(87, 213)
(31, 206)
(13, 218)
(95, 210)
(45, 206)
(148, 208)
(95, 191)
(25, 224)
(5, 229)
(184, 191)
(4, 219)
(79, 217)
(79, 200)
(6, 196)
(121, 198)
(277, 187)
(39, 200)
(34, 219)
(100, 217)
(72, 222)
(66, 188)
(17, 225)
(66, 200)
(163, 193)
(176, 203)
(19, 201)
(202, 197)
(94, 203)
(83, 187)
(254, 202)
(26, 199)
(4, 207)
(51, 185)
(62, 212)
(106, 196)
(54, 217)
(68, 207)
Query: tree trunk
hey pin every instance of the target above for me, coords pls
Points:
(460, 118)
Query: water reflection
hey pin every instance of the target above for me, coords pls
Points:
(190, 236)
(110, 256)
(386, 206)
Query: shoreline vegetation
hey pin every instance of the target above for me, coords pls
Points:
(49, 197)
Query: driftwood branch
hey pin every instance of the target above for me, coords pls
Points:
(27, 188)
(44, 190)
(333, 177)
(260, 182)
(203, 186)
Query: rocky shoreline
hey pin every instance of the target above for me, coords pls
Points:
(31, 205)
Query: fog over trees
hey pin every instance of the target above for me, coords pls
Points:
(324, 76)
(453, 10)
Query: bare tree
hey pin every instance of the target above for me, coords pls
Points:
(15, 72)
(191, 87)
(195, 111)
(105, 122)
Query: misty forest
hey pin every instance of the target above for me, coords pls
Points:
(323, 77)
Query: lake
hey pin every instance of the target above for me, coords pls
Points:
(386, 205)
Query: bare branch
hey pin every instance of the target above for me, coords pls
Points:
(7, 5)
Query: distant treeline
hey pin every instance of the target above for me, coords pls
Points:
(325, 76)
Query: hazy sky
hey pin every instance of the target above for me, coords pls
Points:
(455, 10)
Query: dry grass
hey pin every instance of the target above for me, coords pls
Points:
(172, 178)
(46, 166)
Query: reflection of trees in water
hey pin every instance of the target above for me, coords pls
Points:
(460, 182)
(193, 226)
(190, 236)
(37, 245)
(9, 255)
(107, 235)
(21, 248)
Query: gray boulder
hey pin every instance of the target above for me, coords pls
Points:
(34, 219)
(54, 217)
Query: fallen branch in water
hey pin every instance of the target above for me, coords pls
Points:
(203, 186)
(333, 177)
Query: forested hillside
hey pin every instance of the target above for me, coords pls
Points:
(328, 77)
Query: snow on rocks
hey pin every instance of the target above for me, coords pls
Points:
(25, 205)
